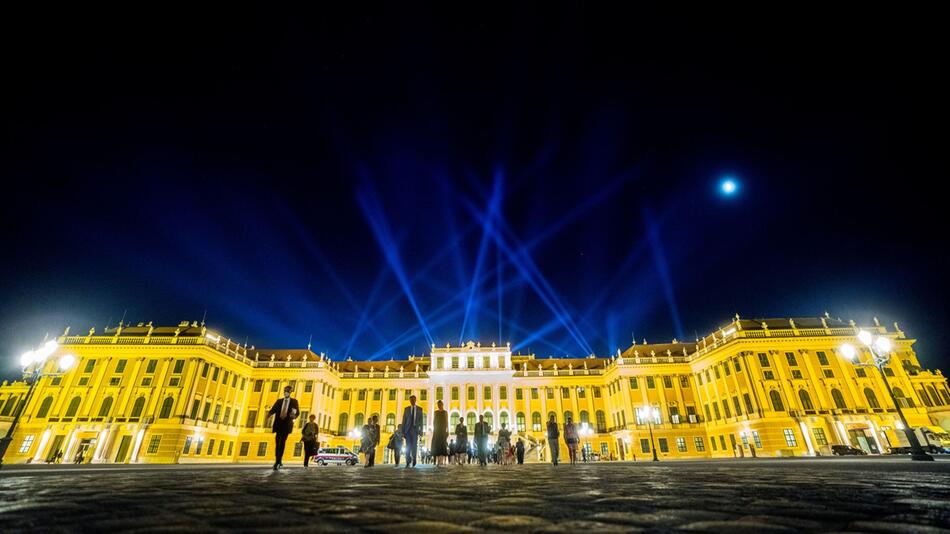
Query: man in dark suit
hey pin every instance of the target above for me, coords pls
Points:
(481, 439)
(285, 410)
(411, 429)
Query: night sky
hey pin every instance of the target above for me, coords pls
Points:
(548, 177)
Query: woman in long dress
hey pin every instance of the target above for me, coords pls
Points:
(461, 442)
(440, 435)
(504, 443)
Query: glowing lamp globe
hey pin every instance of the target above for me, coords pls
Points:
(883, 344)
(848, 351)
(865, 337)
(67, 362)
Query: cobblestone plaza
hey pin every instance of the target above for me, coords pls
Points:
(821, 494)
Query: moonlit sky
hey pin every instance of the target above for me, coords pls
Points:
(551, 178)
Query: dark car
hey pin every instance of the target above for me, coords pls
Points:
(846, 450)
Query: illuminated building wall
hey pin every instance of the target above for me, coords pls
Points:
(775, 387)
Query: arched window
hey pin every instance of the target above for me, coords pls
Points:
(44, 407)
(73, 407)
(138, 407)
(390, 422)
(585, 417)
(838, 398)
(167, 406)
(902, 400)
(454, 421)
(488, 419)
(601, 421)
(806, 400)
(934, 396)
(470, 421)
(358, 421)
(872, 398)
(924, 397)
(341, 424)
(536, 422)
(519, 421)
(569, 414)
(777, 403)
(549, 417)
(8, 407)
(106, 407)
(503, 419)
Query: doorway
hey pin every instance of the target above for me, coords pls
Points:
(54, 448)
(123, 450)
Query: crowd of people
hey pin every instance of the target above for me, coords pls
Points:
(444, 449)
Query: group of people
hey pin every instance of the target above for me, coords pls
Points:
(442, 450)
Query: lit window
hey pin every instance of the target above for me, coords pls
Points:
(27, 443)
(820, 437)
(790, 437)
(700, 444)
(681, 444)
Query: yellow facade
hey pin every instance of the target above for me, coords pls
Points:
(777, 387)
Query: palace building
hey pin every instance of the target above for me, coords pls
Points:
(186, 393)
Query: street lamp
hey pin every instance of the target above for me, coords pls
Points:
(355, 434)
(880, 349)
(37, 360)
(585, 432)
(652, 413)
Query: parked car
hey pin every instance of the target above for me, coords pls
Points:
(929, 449)
(846, 450)
(336, 455)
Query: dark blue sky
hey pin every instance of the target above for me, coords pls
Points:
(340, 175)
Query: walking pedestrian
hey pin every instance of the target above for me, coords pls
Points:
(440, 435)
(519, 451)
(309, 436)
(284, 411)
(553, 435)
(481, 440)
(571, 438)
(369, 441)
(411, 428)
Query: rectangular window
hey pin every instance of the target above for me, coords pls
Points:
(716, 371)
(346, 394)
(470, 362)
(550, 393)
(258, 386)
(308, 386)
(700, 444)
(725, 408)
(735, 363)
(792, 361)
(198, 445)
(737, 406)
(790, 437)
(377, 394)
(153, 444)
(596, 392)
(860, 372)
(486, 362)
(204, 371)
(820, 437)
(262, 448)
(667, 381)
(681, 444)
(768, 375)
(361, 395)
(581, 394)
(438, 394)
(633, 383)
(716, 410)
(26, 444)
(455, 362)
(174, 381)
(274, 385)
(644, 445)
(565, 393)
(245, 445)
(708, 417)
(888, 371)
(252, 418)
(663, 444)
(115, 380)
(822, 357)
(748, 403)
(150, 366)
(650, 382)
(722, 441)
(217, 414)
(725, 367)
(796, 373)
(230, 448)
(90, 365)
(684, 381)
(699, 378)
(503, 393)
(519, 395)
(712, 441)
(187, 448)
(755, 438)
(147, 381)
(220, 447)
(298, 448)
(471, 393)
(392, 394)
(534, 393)
(120, 366)
(210, 447)
(206, 411)
(195, 406)
(179, 367)
(56, 380)
(486, 393)
(829, 373)
(423, 394)
(227, 415)
(764, 359)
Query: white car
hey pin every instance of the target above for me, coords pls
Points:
(336, 455)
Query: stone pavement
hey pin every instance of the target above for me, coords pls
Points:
(859, 494)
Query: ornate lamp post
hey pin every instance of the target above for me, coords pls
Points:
(651, 413)
(880, 349)
(33, 363)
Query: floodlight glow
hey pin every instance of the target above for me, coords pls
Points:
(865, 337)
(883, 344)
(66, 362)
(46, 350)
(848, 351)
(26, 359)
